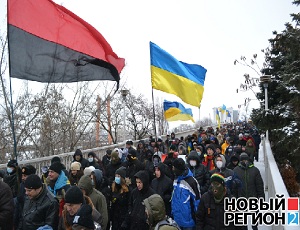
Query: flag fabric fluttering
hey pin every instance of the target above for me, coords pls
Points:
(228, 113)
(218, 118)
(223, 108)
(175, 77)
(175, 111)
(48, 43)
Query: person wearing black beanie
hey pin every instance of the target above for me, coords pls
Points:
(39, 206)
(84, 219)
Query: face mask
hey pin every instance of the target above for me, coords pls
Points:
(218, 191)
(9, 170)
(118, 180)
(90, 159)
(219, 164)
(199, 153)
(193, 163)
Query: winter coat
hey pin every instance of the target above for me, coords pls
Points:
(40, 211)
(119, 208)
(199, 171)
(250, 150)
(185, 199)
(98, 199)
(13, 181)
(210, 215)
(84, 162)
(66, 220)
(110, 171)
(164, 187)
(136, 209)
(6, 207)
(75, 179)
(132, 167)
(252, 182)
(234, 157)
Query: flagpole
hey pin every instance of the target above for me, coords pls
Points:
(199, 113)
(154, 115)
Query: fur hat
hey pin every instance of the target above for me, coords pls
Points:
(33, 182)
(74, 195)
(218, 178)
(56, 167)
(75, 166)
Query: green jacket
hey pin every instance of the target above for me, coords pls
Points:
(96, 196)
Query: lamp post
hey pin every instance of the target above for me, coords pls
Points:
(124, 93)
(265, 81)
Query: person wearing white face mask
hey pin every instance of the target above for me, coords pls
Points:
(199, 171)
(232, 182)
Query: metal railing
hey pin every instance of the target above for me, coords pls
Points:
(67, 158)
(273, 180)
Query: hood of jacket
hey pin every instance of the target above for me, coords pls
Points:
(144, 177)
(156, 209)
(193, 156)
(98, 175)
(223, 161)
(85, 183)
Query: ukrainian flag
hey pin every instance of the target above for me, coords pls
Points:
(175, 77)
(218, 118)
(174, 111)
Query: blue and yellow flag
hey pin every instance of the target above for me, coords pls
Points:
(228, 113)
(175, 111)
(218, 118)
(172, 76)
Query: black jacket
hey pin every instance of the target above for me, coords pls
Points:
(6, 207)
(210, 215)
(40, 211)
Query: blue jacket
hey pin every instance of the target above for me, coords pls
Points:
(62, 182)
(185, 199)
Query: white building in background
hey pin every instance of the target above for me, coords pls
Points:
(224, 117)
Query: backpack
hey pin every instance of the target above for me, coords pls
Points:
(169, 221)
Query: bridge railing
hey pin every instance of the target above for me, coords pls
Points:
(67, 158)
(273, 180)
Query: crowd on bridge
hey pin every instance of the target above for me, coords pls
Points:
(177, 183)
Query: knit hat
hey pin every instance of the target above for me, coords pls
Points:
(244, 156)
(55, 159)
(12, 163)
(179, 164)
(75, 166)
(132, 152)
(210, 147)
(88, 170)
(74, 195)
(173, 147)
(56, 167)
(33, 182)
(84, 217)
(218, 178)
(28, 170)
(129, 142)
(121, 171)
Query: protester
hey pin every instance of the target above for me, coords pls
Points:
(84, 219)
(40, 207)
(75, 173)
(6, 207)
(13, 177)
(185, 187)
(78, 156)
(156, 214)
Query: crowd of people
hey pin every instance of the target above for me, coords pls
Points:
(178, 183)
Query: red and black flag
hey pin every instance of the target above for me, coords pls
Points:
(49, 43)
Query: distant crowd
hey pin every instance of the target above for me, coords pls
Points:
(177, 183)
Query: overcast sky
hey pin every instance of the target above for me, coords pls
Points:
(210, 33)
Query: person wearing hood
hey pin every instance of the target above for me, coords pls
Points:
(106, 158)
(185, 197)
(132, 165)
(163, 185)
(119, 199)
(79, 158)
(210, 214)
(232, 182)
(97, 198)
(92, 160)
(136, 210)
(141, 151)
(13, 177)
(6, 207)
(234, 161)
(114, 164)
(156, 214)
(250, 149)
(199, 171)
